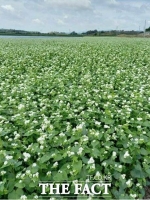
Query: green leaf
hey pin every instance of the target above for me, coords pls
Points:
(60, 176)
(143, 151)
(45, 158)
(96, 153)
(15, 194)
(146, 123)
(78, 166)
(135, 173)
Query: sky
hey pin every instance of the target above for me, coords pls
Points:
(74, 15)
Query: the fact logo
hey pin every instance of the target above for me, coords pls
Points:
(92, 187)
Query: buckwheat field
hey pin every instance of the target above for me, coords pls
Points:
(71, 108)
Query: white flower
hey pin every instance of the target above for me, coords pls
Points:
(123, 176)
(79, 127)
(91, 161)
(75, 181)
(41, 147)
(28, 172)
(87, 180)
(133, 195)
(27, 156)
(109, 96)
(97, 176)
(104, 164)
(130, 136)
(55, 164)
(26, 121)
(92, 166)
(23, 197)
(114, 154)
(126, 154)
(3, 172)
(36, 174)
(80, 151)
(22, 176)
(6, 162)
(53, 155)
(106, 126)
(18, 175)
(70, 153)
(48, 173)
(17, 136)
(20, 106)
(34, 165)
(35, 197)
(97, 123)
(85, 138)
(136, 140)
(129, 183)
(61, 134)
(139, 119)
(68, 166)
(9, 157)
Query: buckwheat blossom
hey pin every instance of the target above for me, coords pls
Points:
(22, 176)
(75, 181)
(6, 162)
(139, 119)
(55, 164)
(61, 134)
(68, 166)
(104, 164)
(85, 138)
(3, 173)
(106, 126)
(36, 175)
(20, 106)
(48, 173)
(8, 157)
(139, 185)
(92, 166)
(126, 154)
(123, 176)
(26, 156)
(97, 176)
(114, 154)
(23, 197)
(53, 155)
(41, 147)
(28, 172)
(97, 123)
(18, 175)
(34, 165)
(133, 195)
(80, 151)
(91, 161)
(70, 153)
(129, 183)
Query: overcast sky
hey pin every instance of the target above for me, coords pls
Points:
(74, 15)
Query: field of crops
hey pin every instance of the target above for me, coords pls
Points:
(71, 108)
